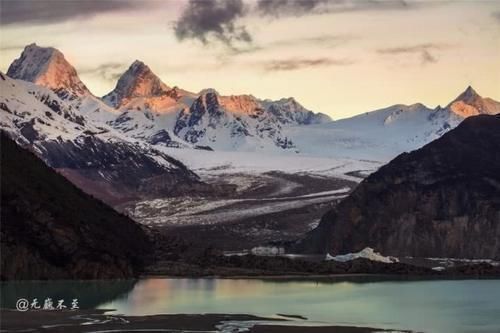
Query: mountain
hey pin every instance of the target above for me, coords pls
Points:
(93, 155)
(46, 66)
(289, 111)
(150, 109)
(144, 111)
(140, 83)
(442, 200)
(230, 123)
(469, 103)
(383, 134)
(52, 230)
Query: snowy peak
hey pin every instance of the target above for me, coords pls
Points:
(241, 104)
(470, 103)
(46, 66)
(468, 96)
(137, 81)
(289, 111)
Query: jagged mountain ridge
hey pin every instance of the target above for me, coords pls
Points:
(385, 133)
(442, 200)
(100, 159)
(229, 121)
(144, 108)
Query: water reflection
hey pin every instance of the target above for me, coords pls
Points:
(440, 306)
(429, 306)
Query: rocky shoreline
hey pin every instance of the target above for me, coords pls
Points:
(104, 321)
(248, 266)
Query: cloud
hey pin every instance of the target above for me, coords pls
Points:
(220, 19)
(295, 64)
(279, 8)
(288, 7)
(496, 16)
(423, 50)
(427, 58)
(203, 19)
(55, 11)
(110, 71)
(322, 40)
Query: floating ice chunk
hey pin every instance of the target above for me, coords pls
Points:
(438, 268)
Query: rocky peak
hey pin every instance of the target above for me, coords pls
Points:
(469, 96)
(208, 101)
(289, 111)
(137, 81)
(47, 66)
(470, 103)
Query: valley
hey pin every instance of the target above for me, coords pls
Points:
(215, 172)
(267, 208)
(271, 199)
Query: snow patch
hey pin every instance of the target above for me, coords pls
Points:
(366, 253)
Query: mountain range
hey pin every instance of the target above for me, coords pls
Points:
(117, 147)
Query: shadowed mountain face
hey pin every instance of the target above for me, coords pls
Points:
(52, 230)
(97, 158)
(442, 200)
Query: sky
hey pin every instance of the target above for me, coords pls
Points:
(339, 57)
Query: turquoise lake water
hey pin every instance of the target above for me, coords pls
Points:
(442, 306)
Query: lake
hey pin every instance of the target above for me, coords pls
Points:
(441, 306)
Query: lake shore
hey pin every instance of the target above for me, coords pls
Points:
(105, 321)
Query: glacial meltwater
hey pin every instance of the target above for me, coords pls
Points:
(441, 306)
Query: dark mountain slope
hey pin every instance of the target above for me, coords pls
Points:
(442, 200)
(51, 229)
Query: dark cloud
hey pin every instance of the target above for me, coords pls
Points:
(108, 71)
(322, 40)
(288, 7)
(496, 15)
(427, 57)
(295, 64)
(54, 11)
(220, 19)
(279, 8)
(425, 51)
(204, 19)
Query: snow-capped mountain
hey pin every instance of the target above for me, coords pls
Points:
(139, 85)
(46, 66)
(383, 134)
(98, 158)
(230, 123)
(152, 111)
(289, 111)
(145, 112)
